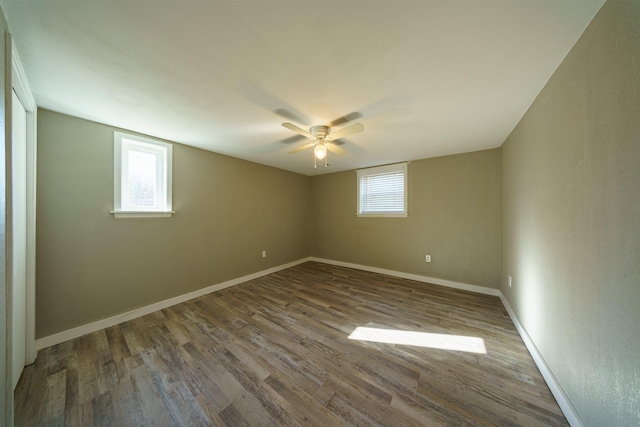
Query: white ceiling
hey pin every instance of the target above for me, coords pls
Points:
(425, 78)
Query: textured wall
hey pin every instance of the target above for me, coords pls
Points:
(571, 219)
(91, 266)
(454, 207)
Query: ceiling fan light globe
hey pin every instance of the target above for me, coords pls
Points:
(320, 151)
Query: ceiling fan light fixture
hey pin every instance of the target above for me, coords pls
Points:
(323, 139)
(320, 151)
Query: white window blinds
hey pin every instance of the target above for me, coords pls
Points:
(382, 191)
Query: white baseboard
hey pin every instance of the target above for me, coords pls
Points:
(410, 276)
(554, 386)
(563, 401)
(79, 331)
(565, 405)
(69, 334)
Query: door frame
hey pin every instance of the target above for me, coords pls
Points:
(23, 91)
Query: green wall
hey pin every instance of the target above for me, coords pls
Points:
(454, 216)
(571, 220)
(557, 208)
(91, 266)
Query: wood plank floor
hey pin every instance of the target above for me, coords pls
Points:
(275, 351)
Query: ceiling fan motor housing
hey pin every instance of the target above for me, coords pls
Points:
(320, 132)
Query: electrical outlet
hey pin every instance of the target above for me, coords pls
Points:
(264, 254)
(509, 280)
(427, 258)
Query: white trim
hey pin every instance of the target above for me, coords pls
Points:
(410, 276)
(21, 86)
(141, 214)
(377, 215)
(163, 153)
(388, 167)
(563, 401)
(382, 170)
(79, 331)
(19, 81)
(558, 393)
(32, 161)
(69, 334)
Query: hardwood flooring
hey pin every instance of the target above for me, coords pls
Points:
(275, 351)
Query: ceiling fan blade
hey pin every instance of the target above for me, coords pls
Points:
(349, 130)
(297, 129)
(334, 148)
(302, 148)
(289, 115)
(345, 119)
(292, 139)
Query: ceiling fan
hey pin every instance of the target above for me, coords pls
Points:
(323, 139)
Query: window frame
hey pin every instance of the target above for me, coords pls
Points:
(392, 168)
(122, 144)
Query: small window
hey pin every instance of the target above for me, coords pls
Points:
(142, 177)
(382, 191)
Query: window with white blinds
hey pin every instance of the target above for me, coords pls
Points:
(382, 191)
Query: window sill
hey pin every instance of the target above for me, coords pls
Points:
(382, 215)
(142, 214)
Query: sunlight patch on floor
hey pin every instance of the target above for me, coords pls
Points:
(420, 339)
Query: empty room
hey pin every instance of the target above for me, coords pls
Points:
(320, 213)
